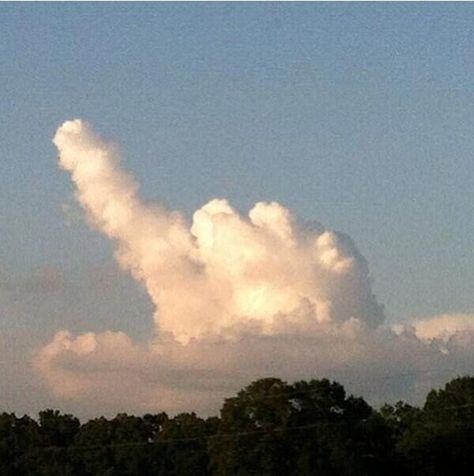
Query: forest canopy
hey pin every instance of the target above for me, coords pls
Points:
(269, 428)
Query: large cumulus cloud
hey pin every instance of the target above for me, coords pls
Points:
(236, 297)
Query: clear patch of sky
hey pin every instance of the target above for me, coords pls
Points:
(359, 116)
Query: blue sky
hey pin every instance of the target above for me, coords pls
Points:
(359, 116)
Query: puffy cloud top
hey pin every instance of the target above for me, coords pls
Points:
(223, 272)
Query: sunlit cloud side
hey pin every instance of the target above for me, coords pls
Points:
(223, 271)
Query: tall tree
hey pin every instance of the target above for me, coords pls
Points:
(441, 440)
(306, 428)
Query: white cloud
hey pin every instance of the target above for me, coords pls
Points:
(444, 326)
(167, 375)
(236, 298)
(223, 271)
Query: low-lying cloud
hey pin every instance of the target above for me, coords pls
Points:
(236, 298)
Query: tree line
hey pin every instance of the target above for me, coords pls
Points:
(269, 428)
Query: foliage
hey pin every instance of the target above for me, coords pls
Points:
(269, 428)
(440, 439)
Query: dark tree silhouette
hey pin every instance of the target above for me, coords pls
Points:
(440, 439)
(272, 427)
(269, 428)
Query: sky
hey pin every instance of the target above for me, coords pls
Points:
(355, 118)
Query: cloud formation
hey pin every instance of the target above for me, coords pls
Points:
(236, 298)
(223, 271)
(444, 327)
